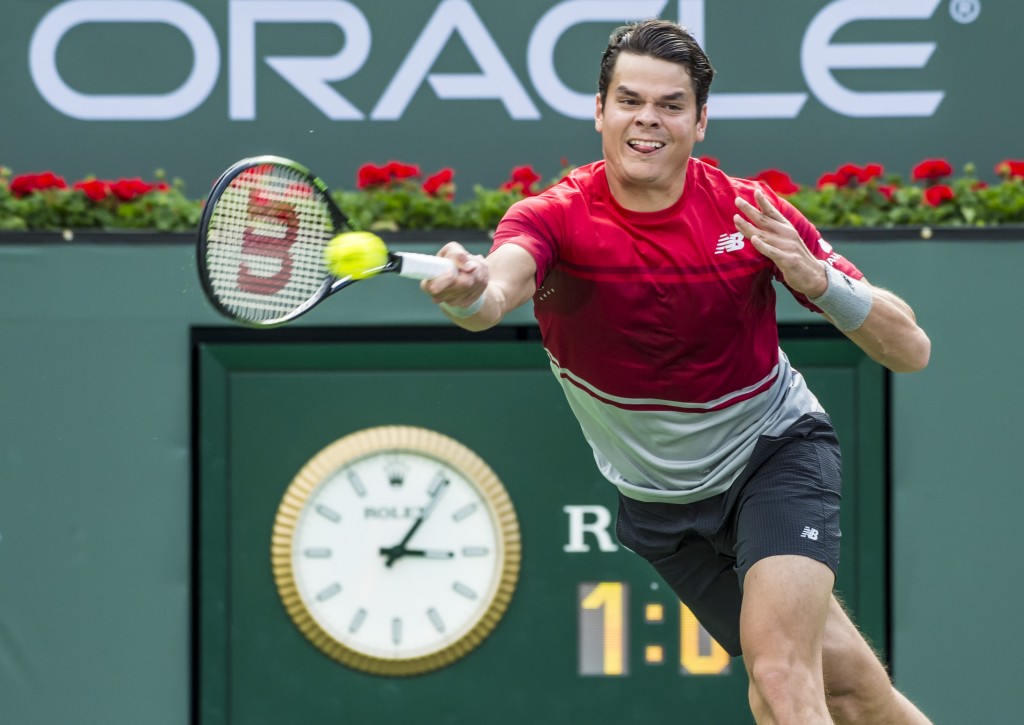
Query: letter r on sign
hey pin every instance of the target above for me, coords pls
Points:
(597, 525)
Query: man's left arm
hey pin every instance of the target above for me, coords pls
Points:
(879, 322)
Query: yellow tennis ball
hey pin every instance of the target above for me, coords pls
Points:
(355, 254)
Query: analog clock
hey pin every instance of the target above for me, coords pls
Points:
(396, 550)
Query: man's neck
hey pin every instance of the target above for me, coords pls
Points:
(644, 198)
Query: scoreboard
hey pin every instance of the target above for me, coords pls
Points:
(589, 633)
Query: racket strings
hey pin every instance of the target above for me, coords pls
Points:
(265, 244)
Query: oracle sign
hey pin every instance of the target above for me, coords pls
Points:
(312, 76)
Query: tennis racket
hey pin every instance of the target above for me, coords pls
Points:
(262, 238)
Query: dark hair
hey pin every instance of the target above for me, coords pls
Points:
(660, 39)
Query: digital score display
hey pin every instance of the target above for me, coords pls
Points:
(606, 640)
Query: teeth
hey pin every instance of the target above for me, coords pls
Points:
(647, 144)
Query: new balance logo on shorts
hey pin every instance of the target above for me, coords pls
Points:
(729, 243)
(809, 533)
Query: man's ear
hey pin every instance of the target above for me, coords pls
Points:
(598, 112)
(702, 124)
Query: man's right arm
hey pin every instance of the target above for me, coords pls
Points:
(484, 290)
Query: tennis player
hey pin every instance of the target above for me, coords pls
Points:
(651, 279)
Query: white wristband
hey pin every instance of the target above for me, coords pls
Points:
(846, 300)
(468, 311)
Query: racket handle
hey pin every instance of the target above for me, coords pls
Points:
(424, 266)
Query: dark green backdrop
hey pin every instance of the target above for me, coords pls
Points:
(265, 409)
(96, 477)
(480, 138)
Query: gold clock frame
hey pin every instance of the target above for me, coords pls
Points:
(396, 438)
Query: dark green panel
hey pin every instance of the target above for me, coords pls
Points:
(479, 137)
(267, 409)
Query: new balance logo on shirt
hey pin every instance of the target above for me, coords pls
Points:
(730, 243)
(809, 533)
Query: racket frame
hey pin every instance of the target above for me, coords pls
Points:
(330, 285)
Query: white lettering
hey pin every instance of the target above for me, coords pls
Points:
(819, 57)
(496, 81)
(738, 105)
(310, 76)
(124, 107)
(598, 528)
(540, 52)
(313, 76)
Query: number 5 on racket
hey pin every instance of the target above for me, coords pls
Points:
(263, 239)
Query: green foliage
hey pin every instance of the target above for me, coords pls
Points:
(865, 205)
(403, 204)
(162, 207)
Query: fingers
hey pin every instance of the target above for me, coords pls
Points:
(764, 213)
(466, 284)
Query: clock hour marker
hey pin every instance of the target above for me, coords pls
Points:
(475, 551)
(435, 619)
(396, 631)
(357, 621)
(465, 591)
(325, 594)
(328, 513)
(464, 512)
(439, 480)
(357, 483)
(322, 553)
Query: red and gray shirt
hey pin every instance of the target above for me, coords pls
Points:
(660, 327)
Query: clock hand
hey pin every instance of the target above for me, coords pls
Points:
(425, 553)
(437, 487)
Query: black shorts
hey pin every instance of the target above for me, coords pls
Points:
(786, 501)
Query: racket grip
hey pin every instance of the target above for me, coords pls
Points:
(424, 266)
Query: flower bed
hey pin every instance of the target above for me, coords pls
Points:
(398, 196)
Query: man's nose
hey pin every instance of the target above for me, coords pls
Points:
(647, 115)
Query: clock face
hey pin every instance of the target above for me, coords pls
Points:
(396, 550)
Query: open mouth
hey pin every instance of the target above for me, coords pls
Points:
(645, 147)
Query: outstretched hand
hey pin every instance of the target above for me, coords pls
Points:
(776, 238)
(466, 286)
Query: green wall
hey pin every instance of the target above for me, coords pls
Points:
(95, 472)
(240, 105)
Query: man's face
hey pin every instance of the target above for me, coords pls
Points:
(648, 125)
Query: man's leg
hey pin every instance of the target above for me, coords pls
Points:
(857, 686)
(786, 602)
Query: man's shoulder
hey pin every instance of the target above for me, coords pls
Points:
(715, 181)
(576, 189)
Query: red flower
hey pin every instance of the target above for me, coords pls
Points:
(872, 171)
(886, 191)
(932, 169)
(523, 178)
(777, 181)
(1010, 168)
(27, 183)
(832, 178)
(848, 173)
(370, 175)
(399, 170)
(94, 189)
(128, 189)
(441, 181)
(709, 160)
(935, 195)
